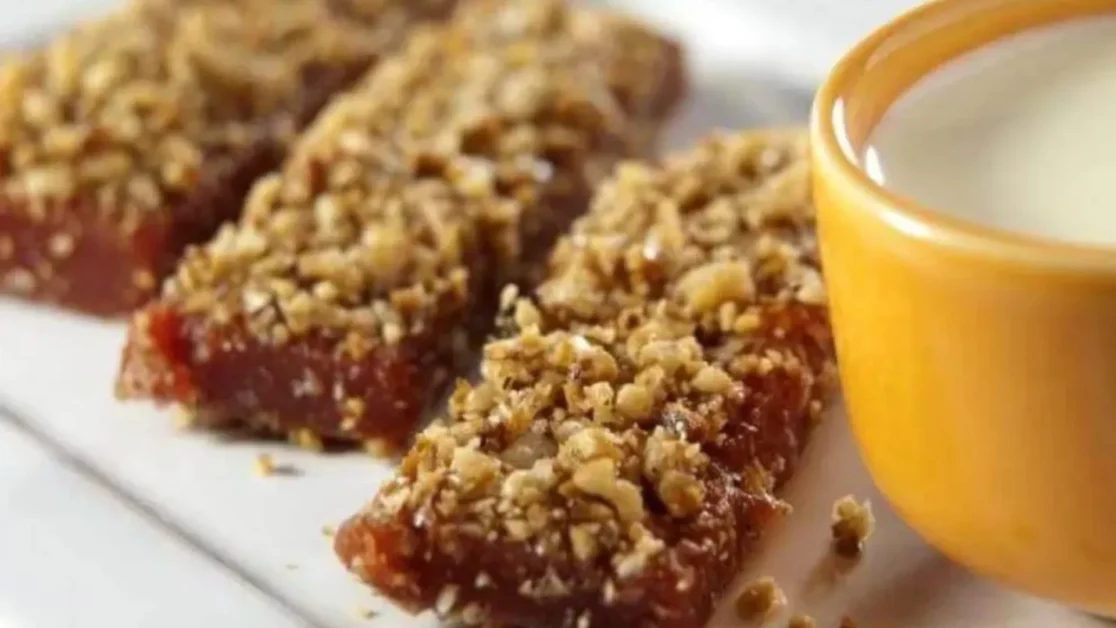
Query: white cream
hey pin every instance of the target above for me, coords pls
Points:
(1019, 135)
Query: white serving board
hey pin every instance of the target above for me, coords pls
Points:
(110, 517)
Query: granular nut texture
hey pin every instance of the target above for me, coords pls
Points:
(759, 600)
(136, 134)
(360, 274)
(617, 459)
(853, 523)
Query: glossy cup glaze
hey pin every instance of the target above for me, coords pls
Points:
(979, 367)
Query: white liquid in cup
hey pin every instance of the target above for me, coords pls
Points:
(1019, 135)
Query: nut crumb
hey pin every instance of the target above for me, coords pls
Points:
(183, 419)
(802, 621)
(760, 599)
(265, 465)
(853, 523)
(328, 531)
(367, 613)
(847, 622)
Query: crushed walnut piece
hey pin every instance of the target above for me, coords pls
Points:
(265, 465)
(618, 456)
(370, 263)
(853, 523)
(760, 600)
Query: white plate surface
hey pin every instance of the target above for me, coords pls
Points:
(109, 517)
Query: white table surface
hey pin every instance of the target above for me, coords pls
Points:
(109, 517)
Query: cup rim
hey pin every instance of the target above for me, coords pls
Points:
(908, 216)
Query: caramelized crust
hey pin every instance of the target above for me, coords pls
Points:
(361, 274)
(618, 457)
(137, 134)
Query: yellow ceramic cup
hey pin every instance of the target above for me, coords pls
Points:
(979, 367)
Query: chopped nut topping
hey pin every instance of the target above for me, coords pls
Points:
(132, 136)
(760, 600)
(624, 427)
(125, 110)
(712, 380)
(635, 402)
(853, 523)
(707, 287)
(370, 258)
(802, 621)
(430, 178)
(598, 478)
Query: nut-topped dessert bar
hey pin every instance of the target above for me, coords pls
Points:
(616, 461)
(137, 134)
(362, 273)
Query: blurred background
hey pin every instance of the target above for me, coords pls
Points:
(818, 29)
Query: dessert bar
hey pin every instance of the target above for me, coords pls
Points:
(362, 274)
(617, 459)
(137, 134)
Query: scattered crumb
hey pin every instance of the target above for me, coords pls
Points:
(367, 613)
(760, 599)
(802, 621)
(291, 567)
(847, 622)
(328, 531)
(183, 419)
(265, 465)
(853, 523)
